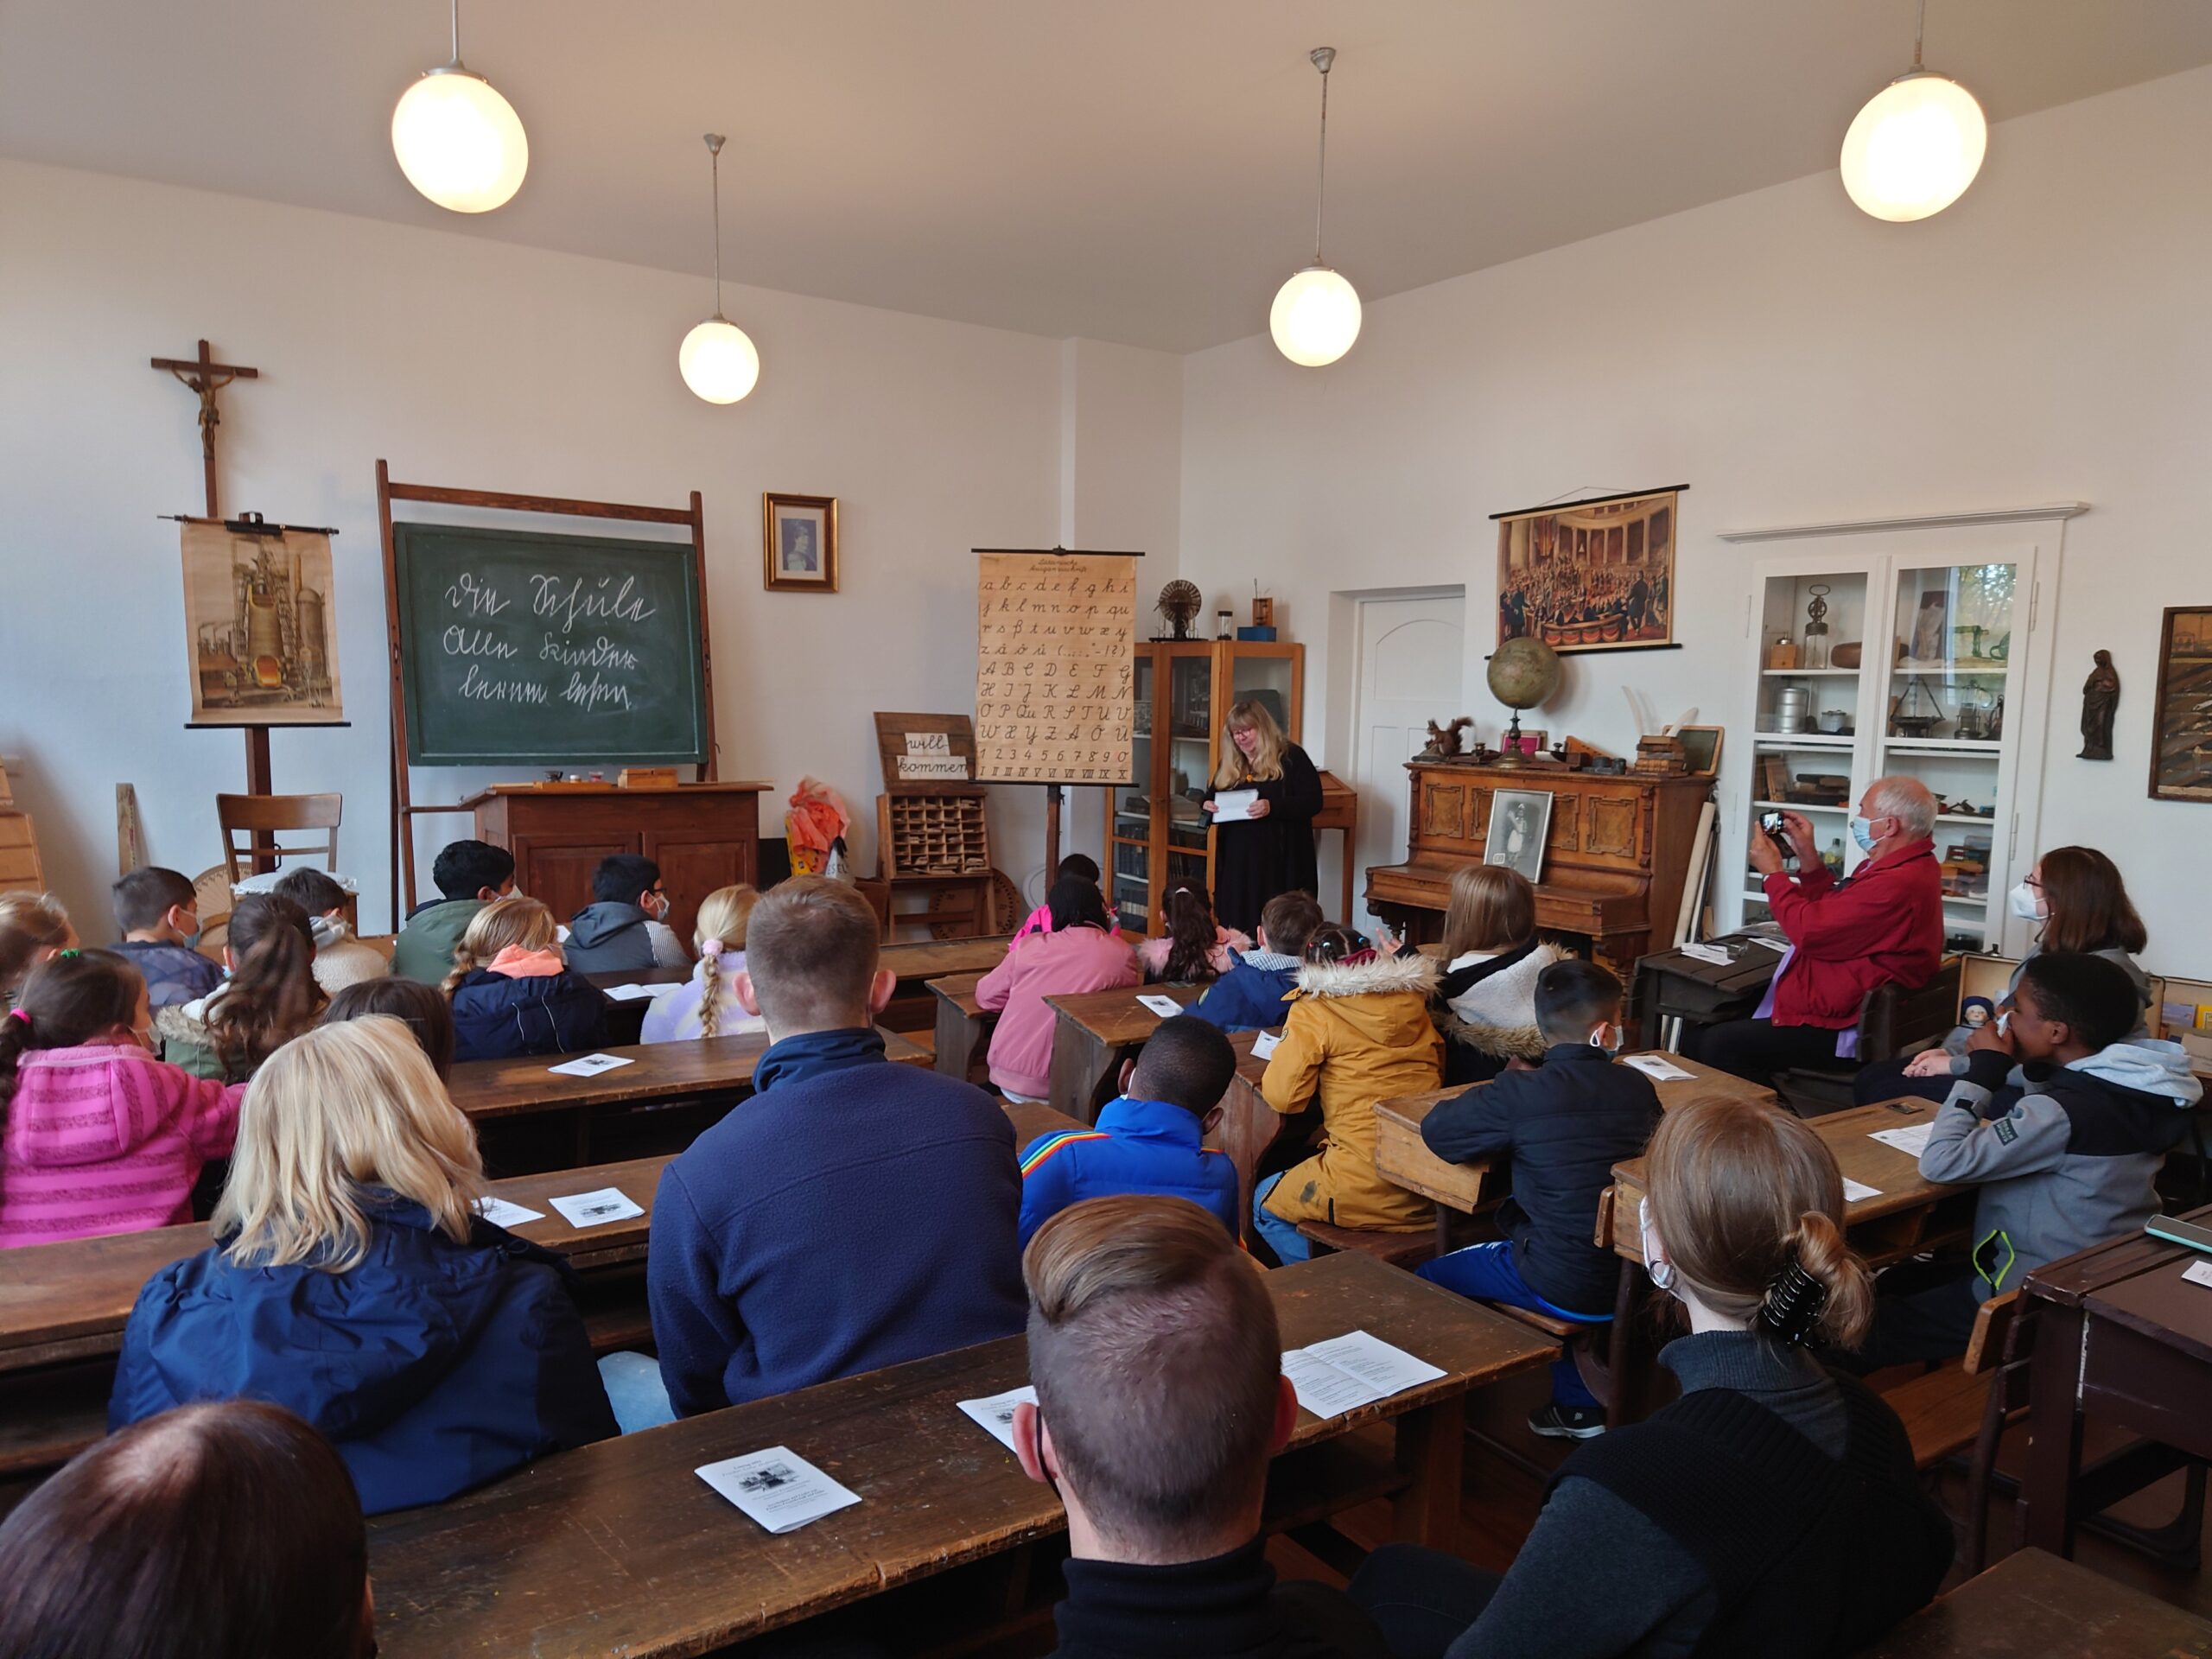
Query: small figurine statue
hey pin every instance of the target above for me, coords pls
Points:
(1444, 740)
(2099, 702)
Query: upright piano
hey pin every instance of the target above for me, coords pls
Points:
(1616, 857)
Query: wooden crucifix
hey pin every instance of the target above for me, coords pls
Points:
(206, 377)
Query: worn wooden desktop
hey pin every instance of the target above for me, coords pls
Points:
(2032, 1602)
(659, 1074)
(2121, 1339)
(620, 1547)
(963, 1025)
(1669, 984)
(1093, 1032)
(1403, 1158)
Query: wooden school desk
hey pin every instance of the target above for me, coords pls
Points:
(1671, 984)
(619, 1547)
(660, 1074)
(1093, 1032)
(1403, 1158)
(913, 1007)
(1905, 1214)
(2122, 1337)
(963, 1025)
(2033, 1602)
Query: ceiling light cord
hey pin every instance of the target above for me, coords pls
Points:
(715, 165)
(1323, 58)
(456, 33)
(1919, 28)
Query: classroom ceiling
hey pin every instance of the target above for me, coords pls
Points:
(1130, 170)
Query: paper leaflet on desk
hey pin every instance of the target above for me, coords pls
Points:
(1715, 954)
(2198, 1273)
(1855, 1190)
(588, 1065)
(1354, 1370)
(776, 1488)
(1165, 1006)
(1265, 1043)
(596, 1208)
(995, 1415)
(1911, 1140)
(1234, 805)
(1657, 1067)
(500, 1213)
(639, 993)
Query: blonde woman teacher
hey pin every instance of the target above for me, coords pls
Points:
(1270, 851)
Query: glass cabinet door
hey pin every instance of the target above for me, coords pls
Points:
(1951, 630)
(1807, 711)
(1190, 766)
(1131, 891)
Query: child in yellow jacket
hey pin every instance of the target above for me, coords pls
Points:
(1358, 1032)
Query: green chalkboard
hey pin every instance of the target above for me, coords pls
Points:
(544, 649)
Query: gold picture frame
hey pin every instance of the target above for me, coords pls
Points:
(798, 543)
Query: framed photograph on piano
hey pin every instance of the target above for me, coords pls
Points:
(1519, 819)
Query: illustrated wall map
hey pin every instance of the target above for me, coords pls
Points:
(1055, 656)
(258, 624)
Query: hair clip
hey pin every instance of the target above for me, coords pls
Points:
(18, 1014)
(1794, 1304)
(67, 955)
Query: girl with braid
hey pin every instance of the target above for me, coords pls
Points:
(708, 1007)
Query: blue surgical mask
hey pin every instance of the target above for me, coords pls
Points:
(1862, 831)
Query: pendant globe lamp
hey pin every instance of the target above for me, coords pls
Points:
(717, 358)
(1918, 145)
(1315, 317)
(458, 140)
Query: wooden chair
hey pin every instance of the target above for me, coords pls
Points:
(1971, 1405)
(1893, 1021)
(249, 816)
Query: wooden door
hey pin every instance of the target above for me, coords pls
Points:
(555, 869)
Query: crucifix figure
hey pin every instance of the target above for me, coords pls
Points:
(206, 377)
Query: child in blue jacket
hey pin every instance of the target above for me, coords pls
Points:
(1146, 1141)
(1251, 994)
(513, 993)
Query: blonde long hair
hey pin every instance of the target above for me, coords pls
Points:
(722, 916)
(1265, 766)
(514, 920)
(1739, 1190)
(29, 923)
(335, 1111)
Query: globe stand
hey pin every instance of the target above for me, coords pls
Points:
(1510, 758)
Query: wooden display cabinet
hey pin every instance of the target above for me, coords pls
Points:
(1158, 834)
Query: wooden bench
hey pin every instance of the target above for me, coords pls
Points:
(2032, 1603)
(620, 1547)
(1407, 1250)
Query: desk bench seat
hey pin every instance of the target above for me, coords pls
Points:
(1407, 1250)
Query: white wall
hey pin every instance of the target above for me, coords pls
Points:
(1792, 360)
(470, 363)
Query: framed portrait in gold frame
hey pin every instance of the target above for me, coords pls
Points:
(798, 543)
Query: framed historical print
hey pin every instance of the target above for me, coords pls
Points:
(1702, 746)
(258, 626)
(1590, 576)
(1519, 820)
(798, 543)
(2181, 738)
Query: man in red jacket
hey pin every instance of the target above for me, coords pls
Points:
(1881, 924)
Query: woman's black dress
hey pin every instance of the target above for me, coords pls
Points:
(1258, 858)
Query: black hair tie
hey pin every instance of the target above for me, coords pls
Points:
(1794, 1304)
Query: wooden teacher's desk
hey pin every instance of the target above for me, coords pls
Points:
(703, 836)
(620, 1547)
(2122, 1337)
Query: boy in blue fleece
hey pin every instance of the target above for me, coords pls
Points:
(1251, 994)
(2071, 1164)
(853, 1214)
(159, 913)
(1147, 1141)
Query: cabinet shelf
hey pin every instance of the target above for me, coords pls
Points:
(1805, 673)
(1975, 745)
(1797, 806)
(1802, 741)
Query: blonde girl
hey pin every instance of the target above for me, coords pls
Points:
(33, 926)
(353, 1283)
(1486, 1002)
(512, 992)
(1269, 850)
(708, 1007)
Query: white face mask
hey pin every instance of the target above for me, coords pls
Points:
(1658, 1269)
(2027, 904)
(1609, 1039)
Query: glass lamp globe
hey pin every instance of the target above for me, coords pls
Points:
(1915, 148)
(459, 141)
(1315, 317)
(718, 361)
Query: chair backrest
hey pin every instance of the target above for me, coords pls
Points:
(1893, 1019)
(248, 816)
(1993, 1327)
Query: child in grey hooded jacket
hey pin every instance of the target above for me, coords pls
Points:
(2071, 1164)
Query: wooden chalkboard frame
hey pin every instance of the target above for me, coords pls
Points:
(405, 811)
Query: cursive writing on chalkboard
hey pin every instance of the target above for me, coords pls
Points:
(601, 653)
(474, 598)
(477, 688)
(574, 604)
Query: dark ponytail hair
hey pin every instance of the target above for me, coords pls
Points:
(67, 1001)
(1332, 943)
(271, 996)
(1192, 936)
(1075, 902)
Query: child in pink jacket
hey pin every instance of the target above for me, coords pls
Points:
(96, 1134)
(1079, 954)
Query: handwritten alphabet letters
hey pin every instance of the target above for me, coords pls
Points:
(1055, 701)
